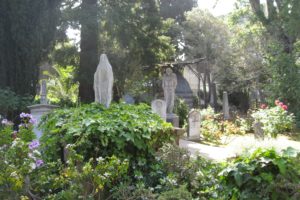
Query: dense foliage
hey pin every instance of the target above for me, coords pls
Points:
(26, 175)
(27, 30)
(263, 174)
(182, 110)
(213, 126)
(126, 131)
(275, 119)
(10, 103)
(62, 89)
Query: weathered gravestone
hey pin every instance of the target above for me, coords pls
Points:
(194, 124)
(258, 131)
(225, 106)
(159, 107)
(128, 99)
(103, 81)
(38, 110)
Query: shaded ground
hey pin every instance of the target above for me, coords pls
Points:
(236, 145)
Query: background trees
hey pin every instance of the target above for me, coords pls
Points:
(27, 30)
(281, 21)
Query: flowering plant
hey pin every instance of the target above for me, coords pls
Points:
(275, 119)
(19, 156)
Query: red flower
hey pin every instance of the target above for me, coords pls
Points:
(277, 102)
(280, 104)
(284, 107)
(263, 106)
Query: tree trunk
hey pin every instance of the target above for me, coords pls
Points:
(89, 50)
(204, 90)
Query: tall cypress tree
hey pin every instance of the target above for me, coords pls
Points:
(89, 49)
(27, 30)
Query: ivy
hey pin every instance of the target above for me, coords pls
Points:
(126, 131)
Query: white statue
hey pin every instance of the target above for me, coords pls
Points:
(169, 84)
(103, 81)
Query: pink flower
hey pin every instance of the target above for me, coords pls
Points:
(280, 104)
(277, 102)
(284, 107)
(263, 106)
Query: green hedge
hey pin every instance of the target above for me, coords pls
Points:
(126, 131)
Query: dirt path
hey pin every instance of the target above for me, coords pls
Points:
(236, 145)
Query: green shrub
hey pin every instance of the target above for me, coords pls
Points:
(275, 120)
(261, 175)
(180, 193)
(198, 174)
(127, 131)
(213, 127)
(10, 102)
(19, 158)
(78, 179)
(125, 191)
(182, 110)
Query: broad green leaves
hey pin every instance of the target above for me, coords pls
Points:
(122, 130)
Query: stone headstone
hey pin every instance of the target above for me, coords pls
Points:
(169, 84)
(128, 99)
(159, 107)
(194, 124)
(258, 131)
(225, 106)
(103, 81)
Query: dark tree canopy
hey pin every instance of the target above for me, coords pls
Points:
(27, 30)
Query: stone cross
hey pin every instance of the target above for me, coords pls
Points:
(225, 106)
(169, 84)
(194, 124)
(43, 99)
(159, 107)
(103, 81)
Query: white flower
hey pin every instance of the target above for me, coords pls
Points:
(32, 165)
(14, 174)
(100, 159)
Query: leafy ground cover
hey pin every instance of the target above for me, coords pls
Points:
(126, 152)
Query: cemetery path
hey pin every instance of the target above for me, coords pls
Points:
(236, 145)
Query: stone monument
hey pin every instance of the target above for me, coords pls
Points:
(194, 125)
(169, 84)
(159, 107)
(39, 110)
(128, 99)
(258, 131)
(103, 81)
(225, 106)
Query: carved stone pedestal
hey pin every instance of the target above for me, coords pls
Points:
(37, 111)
